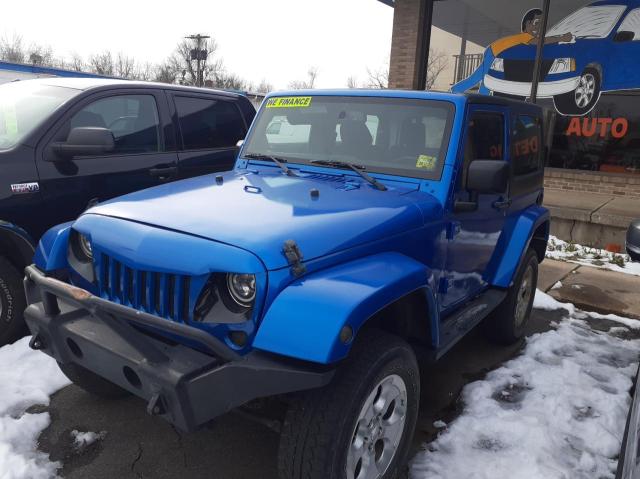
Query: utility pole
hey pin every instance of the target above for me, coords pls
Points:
(199, 54)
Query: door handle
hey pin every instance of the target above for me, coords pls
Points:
(502, 204)
(163, 173)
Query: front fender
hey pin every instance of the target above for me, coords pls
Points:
(513, 244)
(51, 253)
(306, 318)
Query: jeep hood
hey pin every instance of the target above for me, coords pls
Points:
(258, 211)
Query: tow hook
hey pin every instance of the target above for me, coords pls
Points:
(36, 343)
(156, 405)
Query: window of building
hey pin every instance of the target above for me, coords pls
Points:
(208, 123)
(526, 145)
(133, 120)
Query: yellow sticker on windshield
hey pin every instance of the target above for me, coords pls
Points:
(289, 102)
(427, 162)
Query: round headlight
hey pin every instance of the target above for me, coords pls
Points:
(242, 288)
(82, 247)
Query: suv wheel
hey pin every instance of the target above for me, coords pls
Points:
(507, 323)
(12, 304)
(360, 426)
(582, 100)
(91, 382)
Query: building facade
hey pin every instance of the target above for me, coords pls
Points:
(589, 74)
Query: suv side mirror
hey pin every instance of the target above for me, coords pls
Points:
(488, 177)
(633, 241)
(86, 141)
(624, 36)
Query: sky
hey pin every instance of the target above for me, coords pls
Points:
(278, 40)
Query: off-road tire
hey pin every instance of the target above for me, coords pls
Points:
(319, 424)
(12, 304)
(91, 382)
(501, 326)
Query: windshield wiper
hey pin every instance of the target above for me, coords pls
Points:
(359, 169)
(278, 161)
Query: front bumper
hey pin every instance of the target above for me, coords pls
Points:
(185, 386)
(523, 89)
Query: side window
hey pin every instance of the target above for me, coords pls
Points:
(527, 142)
(485, 140)
(208, 123)
(632, 24)
(133, 120)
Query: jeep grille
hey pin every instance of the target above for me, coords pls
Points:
(162, 294)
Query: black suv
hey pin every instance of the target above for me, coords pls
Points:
(66, 144)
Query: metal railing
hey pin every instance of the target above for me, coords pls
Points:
(465, 65)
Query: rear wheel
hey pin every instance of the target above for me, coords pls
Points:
(360, 426)
(12, 304)
(91, 382)
(507, 323)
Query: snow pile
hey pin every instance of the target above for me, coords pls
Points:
(27, 378)
(556, 411)
(84, 439)
(599, 258)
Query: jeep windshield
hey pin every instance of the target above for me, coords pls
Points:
(24, 105)
(397, 136)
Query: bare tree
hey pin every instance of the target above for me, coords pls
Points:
(145, 71)
(307, 84)
(102, 63)
(166, 73)
(228, 81)
(438, 62)
(124, 66)
(378, 78)
(264, 87)
(41, 55)
(12, 50)
(77, 62)
(352, 82)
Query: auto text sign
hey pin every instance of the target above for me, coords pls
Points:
(289, 102)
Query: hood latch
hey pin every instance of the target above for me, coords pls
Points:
(294, 257)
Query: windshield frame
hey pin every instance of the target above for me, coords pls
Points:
(435, 175)
(35, 88)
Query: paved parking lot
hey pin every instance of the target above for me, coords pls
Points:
(234, 446)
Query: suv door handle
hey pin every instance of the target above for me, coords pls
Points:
(502, 204)
(163, 173)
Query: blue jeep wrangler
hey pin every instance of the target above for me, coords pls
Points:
(356, 227)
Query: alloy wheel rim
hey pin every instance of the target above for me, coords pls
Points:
(379, 429)
(586, 90)
(524, 295)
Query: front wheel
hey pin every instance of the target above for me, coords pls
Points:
(360, 426)
(12, 304)
(582, 100)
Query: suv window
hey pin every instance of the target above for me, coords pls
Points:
(526, 149)
(208, 123)
(485, 139)
(632, 24)
(133, 120)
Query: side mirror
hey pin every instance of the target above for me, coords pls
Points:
(85, 141)
(488, 177)
(633, 241)
(624, 36)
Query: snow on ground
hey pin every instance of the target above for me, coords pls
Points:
(599, 258)
(556, 411)
(27, 378)
(83, 439)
